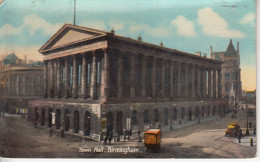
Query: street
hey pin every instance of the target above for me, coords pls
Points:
(19, 139)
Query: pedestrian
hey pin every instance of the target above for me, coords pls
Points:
(50, 132)
(62, 132)
(110, 138)
(105, 140)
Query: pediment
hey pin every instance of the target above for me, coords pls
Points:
(70, 34)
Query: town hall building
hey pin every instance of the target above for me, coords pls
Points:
(97, 82)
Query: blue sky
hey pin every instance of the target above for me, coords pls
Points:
(189, 26)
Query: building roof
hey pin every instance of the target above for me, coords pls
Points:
(10, 59)
(36, 63)
(230, 49)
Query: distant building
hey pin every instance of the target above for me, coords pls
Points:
(19, 83)
(230, 72)
(251, 97)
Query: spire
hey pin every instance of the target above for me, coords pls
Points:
(161, 44)
(112, 31)
(230, 49)
(139, 38)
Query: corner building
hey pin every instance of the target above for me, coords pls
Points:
(95, 81)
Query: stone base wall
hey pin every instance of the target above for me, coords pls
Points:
(144, 116)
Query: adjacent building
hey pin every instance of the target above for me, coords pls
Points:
(20, 82)
(231, 86)
(97, 82)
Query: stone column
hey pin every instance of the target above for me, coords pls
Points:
(186, 82)
(178, 64)
(120, 76)
(209, 83)
(203, 82)
(105, 77)
(45, 80)
(143, 75)
(84, 77)
(75, 77)
(199, 81)
(193, 81)
(171, 78)
(66, 78)
(214, 83)
(132, 76)
(93, 85)
(163, 79)
(219, 83)
(58, 91)
(51, 87)
(154, 78)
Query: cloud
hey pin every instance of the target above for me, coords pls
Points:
(31, 51)
(96, 24)
(184, 26)
(213, 24)
(248, 18)
(33, 22)
(153, 31)
(117, 25)
(8, 29)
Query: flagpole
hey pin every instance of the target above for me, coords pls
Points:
(74, 20)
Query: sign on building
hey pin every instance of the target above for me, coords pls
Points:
(104, 125)
(53, 118)
(128, 124)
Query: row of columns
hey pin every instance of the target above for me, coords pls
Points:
(49, 76)
(190, 79)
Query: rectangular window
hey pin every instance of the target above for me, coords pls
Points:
(79, 75)
(89, 70)
(71, 75)
(98, 73)
(227, 76)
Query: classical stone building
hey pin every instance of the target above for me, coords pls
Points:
(19, 83)
(97, 82)
(231, 87)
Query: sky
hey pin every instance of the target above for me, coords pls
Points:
(185, 25)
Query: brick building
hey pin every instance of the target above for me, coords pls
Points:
(97, 82)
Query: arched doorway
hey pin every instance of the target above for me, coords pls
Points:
(109, 122)
(134, 117)
(165, 116)
(36, 115)
(67, 120)
(190, 114)
(43, 116)
(197, 112)
(156, 115)
(119, 122)
(76, 121)
(202, 111)
(57, 119)
(87, 123)
(49, 117)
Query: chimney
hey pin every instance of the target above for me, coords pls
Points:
(25, 59)
(198, 53)
(139, 38)
(161, 44)
(210, 51)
